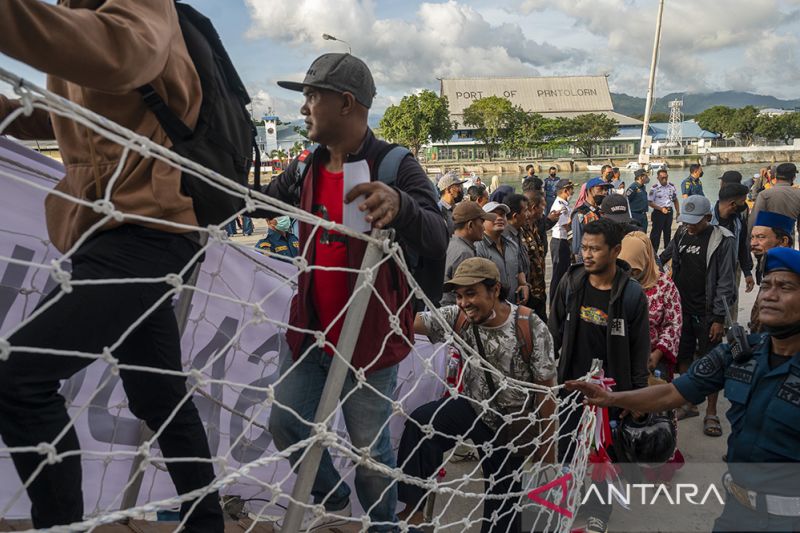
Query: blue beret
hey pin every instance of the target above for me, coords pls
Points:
(597, 182)
(775, 220)
(787, 259)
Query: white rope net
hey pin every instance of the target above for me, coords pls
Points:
(232, 349)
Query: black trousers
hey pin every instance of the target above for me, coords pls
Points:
(694, 341)
(662, 225)
(561, 256)
(88, 319)
(641, 219)
(422, 456)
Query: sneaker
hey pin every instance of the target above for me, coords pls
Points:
(596, 525)
(329, 519)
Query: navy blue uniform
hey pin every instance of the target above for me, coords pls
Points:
(637, 199)
(691, 186)
(765, 427)
(274, 242)
(550, 191)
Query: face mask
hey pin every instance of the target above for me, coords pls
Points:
(783, 332)
(598, 198)
(458, 197)
(283, 223)
(741, 208)
(701, 174)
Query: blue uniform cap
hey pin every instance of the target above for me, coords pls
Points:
(775, 220)
(786, 259)
(597, 182)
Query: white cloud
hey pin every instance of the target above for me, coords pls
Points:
(441, 40)
(705, 45)
(264, 102)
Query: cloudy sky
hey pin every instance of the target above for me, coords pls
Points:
(747, 45)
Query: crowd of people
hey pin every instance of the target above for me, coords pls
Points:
(651, 314)
(612, 296)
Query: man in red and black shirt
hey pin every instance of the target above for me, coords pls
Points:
(338, 91)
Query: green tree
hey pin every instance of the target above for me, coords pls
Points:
(784, 127)
(744, 123)
(717, 119)
(533, 131)
(417, 120)
(586, 131)
(654, 117)
(495, 120)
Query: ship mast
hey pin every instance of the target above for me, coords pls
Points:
(644, 155)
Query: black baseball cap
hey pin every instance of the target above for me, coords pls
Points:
(786, 170)
(563, 184)
(731, 176)
(341, 73)
(615, 207)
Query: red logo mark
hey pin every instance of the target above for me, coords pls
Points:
(560, 482)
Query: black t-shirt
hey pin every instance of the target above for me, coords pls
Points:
(691, 278)
(776, 360)
(590, 341)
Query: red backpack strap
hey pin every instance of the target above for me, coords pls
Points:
(524, 331)
(460, 322)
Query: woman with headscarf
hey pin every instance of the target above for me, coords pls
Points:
(663, 299)
(494, 184)
(664, 308)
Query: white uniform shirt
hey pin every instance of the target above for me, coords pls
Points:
(559, 231)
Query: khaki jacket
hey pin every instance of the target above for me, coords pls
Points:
(96, 53)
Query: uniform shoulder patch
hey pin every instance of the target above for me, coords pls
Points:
(709, 364)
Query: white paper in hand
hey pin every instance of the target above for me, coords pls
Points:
(354, 174)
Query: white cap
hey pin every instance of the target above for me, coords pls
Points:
(491, 207)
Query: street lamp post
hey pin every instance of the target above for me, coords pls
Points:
(329, 37)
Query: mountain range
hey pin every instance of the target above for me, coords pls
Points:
(694, 103)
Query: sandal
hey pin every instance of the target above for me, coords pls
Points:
(686, 411)
(711, 426)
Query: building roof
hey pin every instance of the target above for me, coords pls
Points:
(689, 128)
(583, 94)
(621, 119)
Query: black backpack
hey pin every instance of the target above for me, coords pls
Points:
(428, 272)
(225, 137)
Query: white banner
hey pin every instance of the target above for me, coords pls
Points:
(228, 272)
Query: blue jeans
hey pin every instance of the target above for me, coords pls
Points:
(365, 414)
(247, 225)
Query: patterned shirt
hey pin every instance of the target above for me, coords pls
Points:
(503, 351)
(664, 312)
(534, 242)
(663, 195)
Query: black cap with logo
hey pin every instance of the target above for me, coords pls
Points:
(341, 73)
(615, 207)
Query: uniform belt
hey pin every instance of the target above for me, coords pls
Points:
(776, 505)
